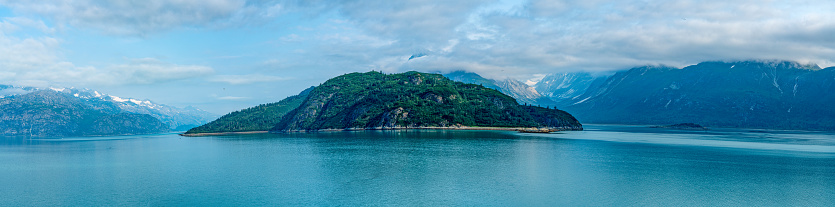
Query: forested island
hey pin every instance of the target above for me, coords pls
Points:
(373, 100)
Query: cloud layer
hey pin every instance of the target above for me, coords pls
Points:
(243, 42)
(531, 37)
(37, 61)
(526, 37)
(141, 18)
(245, 79)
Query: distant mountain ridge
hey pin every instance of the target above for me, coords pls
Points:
(747, 94)
(178, 119)
(772, 94)
(561, 86)
(48, 113)
(523, 93)
(61, 112)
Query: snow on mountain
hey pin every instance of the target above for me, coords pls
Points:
(57, 89)
(176, 118)
(521, 91)
(563, 86)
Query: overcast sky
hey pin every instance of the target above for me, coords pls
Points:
(224, 55)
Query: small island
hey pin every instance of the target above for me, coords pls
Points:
(377, 101)
(683, 126)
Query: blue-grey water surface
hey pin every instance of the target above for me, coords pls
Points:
(602, 166)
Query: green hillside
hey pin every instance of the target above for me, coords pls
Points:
(374, 100)
(259, 118)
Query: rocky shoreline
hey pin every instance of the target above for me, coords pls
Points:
(222, 133)
(519, 129)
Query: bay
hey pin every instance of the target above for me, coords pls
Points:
(605, 165)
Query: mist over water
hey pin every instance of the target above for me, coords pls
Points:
(602, 166)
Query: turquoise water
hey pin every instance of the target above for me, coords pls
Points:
(602, 166)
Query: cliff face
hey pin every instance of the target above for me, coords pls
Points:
(47, 113)
(377, 101)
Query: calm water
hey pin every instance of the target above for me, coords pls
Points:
(603, 166)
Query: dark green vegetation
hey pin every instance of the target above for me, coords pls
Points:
(746, 94)
(378, 101)
(259, 118)
(47, 113)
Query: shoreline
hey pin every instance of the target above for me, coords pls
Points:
(222, 133)
(518, 129)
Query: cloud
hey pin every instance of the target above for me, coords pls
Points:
(12, 24)
(519, 39)
(409, 20)
(149, 70)
(503, 38)
(36, 61)
(228, 98)
(61, 73)
(245, 79)
(142, 18)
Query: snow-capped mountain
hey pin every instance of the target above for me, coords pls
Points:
(562, 86)
(178, 119)
(523, 93)
(754, 94)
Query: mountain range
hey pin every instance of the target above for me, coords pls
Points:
(768, 94)
(523, 93)
(61, 112)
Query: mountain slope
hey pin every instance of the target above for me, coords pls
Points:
(472, 78)
(523, 93)
(47, 113)
(751, 94)
(259, 118)
(377, 101)
(564, 86)
(175, 118)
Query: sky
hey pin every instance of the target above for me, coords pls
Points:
(226, 55)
